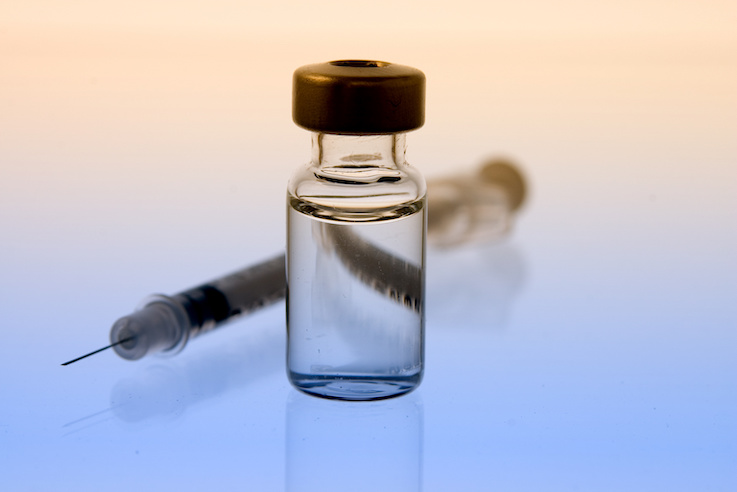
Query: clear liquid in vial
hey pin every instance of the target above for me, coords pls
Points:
(355, 300)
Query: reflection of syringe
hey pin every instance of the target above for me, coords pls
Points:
(484, 202)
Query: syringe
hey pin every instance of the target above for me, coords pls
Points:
(483, 201)
(166, 323)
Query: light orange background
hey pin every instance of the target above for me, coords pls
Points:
(172, 118)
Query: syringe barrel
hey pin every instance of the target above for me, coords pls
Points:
(165, 324)
(211, 304)
(461, 209)
(478, 207)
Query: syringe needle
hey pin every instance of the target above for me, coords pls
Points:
(99, 350)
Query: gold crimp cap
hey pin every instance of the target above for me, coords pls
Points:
(358, 97)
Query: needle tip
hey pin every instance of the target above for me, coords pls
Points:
(98, 350)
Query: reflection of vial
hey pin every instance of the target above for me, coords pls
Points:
(362, 447)
(356, 234)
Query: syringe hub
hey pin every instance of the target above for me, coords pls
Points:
(159, 325)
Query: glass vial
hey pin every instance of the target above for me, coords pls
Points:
(356, 227)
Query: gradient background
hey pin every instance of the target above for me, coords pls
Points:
(145, 147)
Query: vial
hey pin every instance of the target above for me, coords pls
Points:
(356, 226)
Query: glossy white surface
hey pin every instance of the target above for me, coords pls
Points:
(593, 350)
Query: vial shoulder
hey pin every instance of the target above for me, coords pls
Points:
(357, 193)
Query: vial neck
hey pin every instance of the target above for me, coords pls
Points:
(351, 151)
